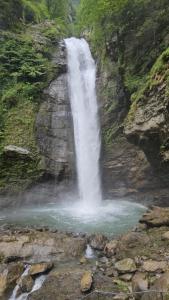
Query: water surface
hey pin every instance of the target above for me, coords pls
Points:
(111, 217)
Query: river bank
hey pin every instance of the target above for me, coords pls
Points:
(134, 262)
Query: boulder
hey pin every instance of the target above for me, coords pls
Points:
(133, 239)
(126, 277)
(13, 151)
(110, 248)
(98, 241)
(86, 282)
(9, 275)
(154, 266)
(40, 268)
(157, 217)
(159, 290)
(165, 236)
(139, 284)
(126, 265)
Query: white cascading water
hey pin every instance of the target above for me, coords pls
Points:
(82, 80)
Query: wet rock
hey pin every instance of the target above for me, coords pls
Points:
(86, 282)
(157, 217)
(26, 283)
(98, 241)
(154, 266)
(55, 131)
(9, 275)
(110, 248)
(40, 268)
(139, 284)
(126, 265)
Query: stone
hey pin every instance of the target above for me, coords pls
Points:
(133, 239)
(165, 235)
(40, 268)
(126, 265)
(161, 285)
(26, 283)
(9, 274)
(126, 277)
(14, 151)
(111, 272)
(61, 284)
(110, 248)
(86, 282)
(83, 260)
(139, 284)
(98, 241)
(154, 266)
(156, 217)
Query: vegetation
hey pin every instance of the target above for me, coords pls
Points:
(137, 30)
(29, 31)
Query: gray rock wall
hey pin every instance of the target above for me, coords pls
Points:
(54, 124)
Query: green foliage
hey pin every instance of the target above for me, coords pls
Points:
(15, 13)
(34, 11)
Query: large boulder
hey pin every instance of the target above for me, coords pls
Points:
(156, 217)
(126, 265)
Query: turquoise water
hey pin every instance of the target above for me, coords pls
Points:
(110, 217)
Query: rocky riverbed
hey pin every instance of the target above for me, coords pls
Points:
(132, 266)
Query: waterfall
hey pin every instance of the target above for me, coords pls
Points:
(82, 90)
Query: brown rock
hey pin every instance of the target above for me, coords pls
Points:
(161, 285)
(126, 265)
(86, 282)
(139, 284)
(157, 217)
(126, 277)
(165, 236)
(154, 266)
(40, 268)
(133, 239)
(110, 248)
(9, 275)
(98, 241)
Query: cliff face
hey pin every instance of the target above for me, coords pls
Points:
(54, 124)
(125, 168)
(147, 122)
